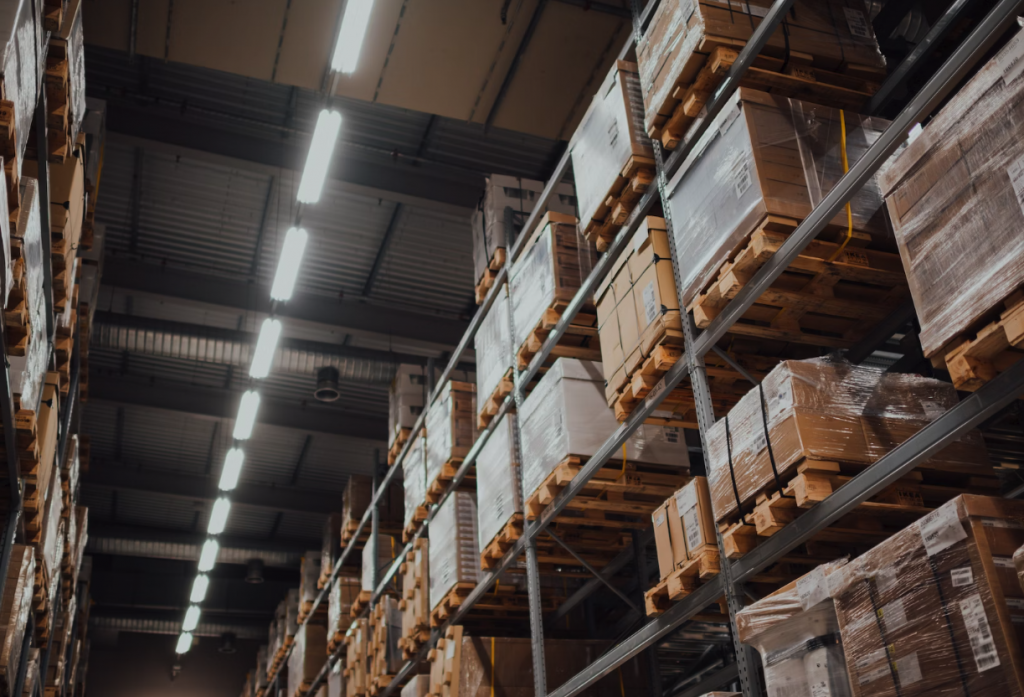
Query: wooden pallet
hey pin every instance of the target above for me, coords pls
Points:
(418, 517)
(579, 341)
(502, 542)
(444, 479)
(490, 407)
(815, 301)
(614, 497)
(486, 281)
(359, 603)
(501, 602)
(978, 357)
(396, 448)
(629, 187)
(681, 582)
(782, 77)
(886, 513)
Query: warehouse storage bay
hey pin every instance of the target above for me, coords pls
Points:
(515, 348)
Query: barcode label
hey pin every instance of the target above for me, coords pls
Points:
(1011, 59)
(691, 522)
(650, 303)
(1003, 562)
(1015, 603)
(894, 615)
(760, 442)
(876, 674)
(941, 529)
(858, 23)
(1016, 174)
(963, 576)
(742, 180)
(908, 670)
(982, 645)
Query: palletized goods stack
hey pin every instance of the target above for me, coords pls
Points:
(415, 602)
(451, 430)
(307, 658)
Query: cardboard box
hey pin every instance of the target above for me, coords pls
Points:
(663, 536)
(497, 481)
(693, 504)
(493, 346)
(451, 427)
(406, 397)
(454, 553)
(934, 610)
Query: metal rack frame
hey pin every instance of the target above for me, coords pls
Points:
(950, 426)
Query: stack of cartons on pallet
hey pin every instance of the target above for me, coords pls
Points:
(563, 422)
(494, 359)
(418, 686)
(309, 573)
(283, 629)
(451, 431)
(355, 658)
(356, 499)
(307, 658)
(65, 82)
(58, 664)
(383, 655)
(414, 483)
(454, 555)
(415, 602)
(808, 429)
(755, 175)
(506, 204)
(407, 396)
(612, 157)
(344, 592)
(31, 673)
(500, 522)
(388, 548)
(331, 542)
(15, 607)
(542, 282)
(25, 312)
(49, 545)
(955, 198)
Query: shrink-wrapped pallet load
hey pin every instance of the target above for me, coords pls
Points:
(684, 527)
(309, 573)
(817, 419)
(15, 607)
(415, 603)
(22, 60)
(956, 200)
(454, 551)
(451, 430)
(824, 51)
(307, 657)
(796, 631)
(27, 349)
(331, 542)
(356, 500)
(355, 658)
(414, 483)
(385, 657)
(566, 415)
(260, 677)
(387, 549)
(936, 609)
(406, 399)
(497, 483)
(344, 592)
(494, 358)
(507, 200)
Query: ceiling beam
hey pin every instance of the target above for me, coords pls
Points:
(240, 295)
(197, 488)
(159, 543)
(223, 404)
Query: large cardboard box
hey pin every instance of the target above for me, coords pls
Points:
(414, 483)
(955, 198)
(406, 397)
(451, 430)
(936, 609)
(493, 345)
(497, 481)
(14, 611)
(454, 552)
(684, 526)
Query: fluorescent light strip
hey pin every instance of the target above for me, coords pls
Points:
(191, 619)
(266, 346)
(184, 643)
(350, 38)
(232, 469)
(288, 264)
(246, 415)
(208, 557)
(318, 160)
(219, 516)
(199, 587)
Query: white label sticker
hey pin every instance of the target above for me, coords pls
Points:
(659, 518)
(1002, 523)
(979, 633)
(876, 674)
(760, 442)
(686, 498)
(963, 576)
(1015, 603)
(742, 180)
(857, 22)
(1016, 174)
(885, 579)
(650, 303)
(870, 659)
(908, 669)
(1003, 562)
(1011, 59)
(820, 689)
(941, 529)
(449, 651)
(811, 588)
(894, 615)
(691, 522)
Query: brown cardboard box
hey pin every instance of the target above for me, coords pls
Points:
(663, 537)
(693, 504)
(928, 611)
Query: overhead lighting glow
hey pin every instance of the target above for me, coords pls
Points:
(199, 587)
(325, 136)
(184, 643)
(288, 264)
(191, 619)
(219, 516)
(232, 468)
(246, 415)
(266, 345)
(350, 39)
(208, 557)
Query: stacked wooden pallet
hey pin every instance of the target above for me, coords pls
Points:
(415, 602)
(356, 648)
(384, 658)
(451, 429)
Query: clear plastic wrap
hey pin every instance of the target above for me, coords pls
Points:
(451, 426)
(387, 549)
(20, 35)
(406, 398)
(14, 611)
(765, 155)
(27, 370)
(520, 196)
(566, 415)
(82, 523)
(343, 593)
(551, 268)
(52, 547)
(497, 481)
(31, 674)
(454, 554)
(796, 631)
(957, 203)
(828, 410)
(414, 479)
(830, 35)
(611, 132)
(386, 622)
(307, 657)
(493, 346)
(419, 686)
(309, 575)
(936, 609)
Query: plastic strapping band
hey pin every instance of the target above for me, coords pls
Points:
(885, 641)
(949, 627)
(768, 441)
(846, 168)
(732, 472)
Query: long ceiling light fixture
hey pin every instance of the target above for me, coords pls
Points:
(266, 346)
(328, 124)
(351, 36)
(288, 265)
(246, 418)
(232, 469)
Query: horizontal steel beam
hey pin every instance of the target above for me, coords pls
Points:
(222, 404)
(198, 488)
(241, 295)
(135, 541)
(99, 622)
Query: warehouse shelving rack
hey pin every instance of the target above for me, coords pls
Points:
(965, 416)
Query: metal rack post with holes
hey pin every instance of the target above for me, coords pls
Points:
(947, 428)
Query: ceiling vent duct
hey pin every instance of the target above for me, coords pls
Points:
(327, 384)
(254, 574)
